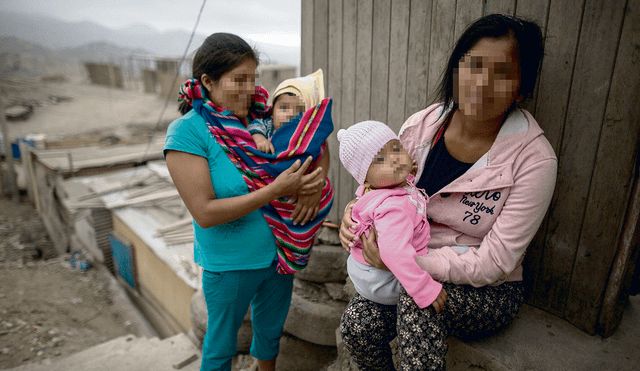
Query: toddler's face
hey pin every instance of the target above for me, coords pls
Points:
(390, 167)
(286, 108)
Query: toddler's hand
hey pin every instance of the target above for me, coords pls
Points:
(263, 144)
(414, 170)
(438, 305)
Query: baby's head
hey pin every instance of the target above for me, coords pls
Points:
(285, 107)
(372, 153)
(295, 96)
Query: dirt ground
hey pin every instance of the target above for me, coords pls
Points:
(47, 308)
(69, 106)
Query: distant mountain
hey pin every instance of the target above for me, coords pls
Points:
(139, 29)
(49, 42)
(14, 45)
(101, 52)
(57, 34)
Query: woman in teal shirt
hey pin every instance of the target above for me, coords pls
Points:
(233, 242)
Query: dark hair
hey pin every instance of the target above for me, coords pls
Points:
(529, 43)
(281, 95)
(219, 54)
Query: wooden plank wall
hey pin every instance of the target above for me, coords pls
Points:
(619, 128)
(383, 59)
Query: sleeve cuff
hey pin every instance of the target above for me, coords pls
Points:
(429, 297)
(434, 265)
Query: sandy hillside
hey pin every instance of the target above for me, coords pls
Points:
(70, 106)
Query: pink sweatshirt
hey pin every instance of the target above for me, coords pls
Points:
(399, 216)
(482, 223)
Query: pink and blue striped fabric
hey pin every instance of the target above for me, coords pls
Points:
(300, 138)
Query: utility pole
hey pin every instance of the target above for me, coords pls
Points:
(11, 183)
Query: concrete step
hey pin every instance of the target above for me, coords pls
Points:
(327, 263)
(313, 314)
(537, 340)
(126, 353)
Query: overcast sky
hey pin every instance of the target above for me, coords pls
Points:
(269, 21)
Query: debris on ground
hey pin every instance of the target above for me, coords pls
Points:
(48, 309)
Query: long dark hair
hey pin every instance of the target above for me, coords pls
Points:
(219, 54)
(529, 42)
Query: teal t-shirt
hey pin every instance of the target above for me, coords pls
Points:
(245, 243)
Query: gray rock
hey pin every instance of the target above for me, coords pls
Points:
(328, 236)
(314, 321)
(300, 355)
(337, 292)
(326, 264)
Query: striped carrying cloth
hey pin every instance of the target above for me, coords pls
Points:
(300, 138)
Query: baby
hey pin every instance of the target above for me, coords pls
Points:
(389, 202)
(290, 99)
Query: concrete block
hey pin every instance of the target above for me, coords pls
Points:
(313, 315)
(300, 355)
(328, 236)
(349, 288)
(326, 264)
(537, 340)
(337, 292)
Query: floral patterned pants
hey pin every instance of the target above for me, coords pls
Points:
(470, 312)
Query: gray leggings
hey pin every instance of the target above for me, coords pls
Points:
(470, 312)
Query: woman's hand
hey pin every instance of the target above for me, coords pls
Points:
(307, 208)
(441, 300)
(292, 179)
(315, 184)
(347, 226)
(370, 251)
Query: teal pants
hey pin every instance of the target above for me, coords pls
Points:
(228, 296)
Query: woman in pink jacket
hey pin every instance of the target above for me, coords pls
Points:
(489, 173)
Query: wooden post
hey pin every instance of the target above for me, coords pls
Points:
(11, 184)
(619, 285)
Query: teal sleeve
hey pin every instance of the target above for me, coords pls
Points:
(186, 135)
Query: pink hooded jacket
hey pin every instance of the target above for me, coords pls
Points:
(400, 218)
(482, 222)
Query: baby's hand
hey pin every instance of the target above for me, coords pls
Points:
(414, 169)
(263, 144)
(438, 305)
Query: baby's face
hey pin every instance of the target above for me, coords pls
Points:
(286, 108)
(390, 167)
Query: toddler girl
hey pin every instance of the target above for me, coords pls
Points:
(389, 202)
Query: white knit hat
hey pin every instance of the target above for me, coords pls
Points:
(359, 145)
(309, 88)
